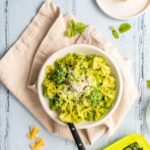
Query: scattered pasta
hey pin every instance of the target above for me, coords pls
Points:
(32, 135)
(38, 144)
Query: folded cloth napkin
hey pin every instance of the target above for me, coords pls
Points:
(20, 66)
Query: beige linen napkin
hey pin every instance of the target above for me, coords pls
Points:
(20, 66)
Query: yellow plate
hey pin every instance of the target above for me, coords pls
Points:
(130, 139)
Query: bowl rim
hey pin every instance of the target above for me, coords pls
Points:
(93, 123)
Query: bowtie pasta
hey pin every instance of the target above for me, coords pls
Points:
(79, 87)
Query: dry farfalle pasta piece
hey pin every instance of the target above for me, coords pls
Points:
(32, 135)
(38, 144)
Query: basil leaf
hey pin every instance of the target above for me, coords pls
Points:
(80, 27)
(69, 33)
(75, 28)
(115, 33)
(72, 24)
(124, 27)
(148, 83)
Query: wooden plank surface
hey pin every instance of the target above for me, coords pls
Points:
(15, 120)
(4, 93)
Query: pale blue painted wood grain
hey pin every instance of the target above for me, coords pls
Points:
(15, 120)
(146, 68)
(19, 15)
(4, 94)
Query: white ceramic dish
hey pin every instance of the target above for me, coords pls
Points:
(85, 50)
(124, 9)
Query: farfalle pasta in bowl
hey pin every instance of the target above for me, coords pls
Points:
(79, 84)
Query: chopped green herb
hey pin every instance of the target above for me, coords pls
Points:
(59, 75)
(115, 33)
(55, 103)
(95, 97)
(124, 27)
(75, 28)
(148, 83)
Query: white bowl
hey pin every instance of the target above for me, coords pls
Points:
(121, 8)
(85, 50)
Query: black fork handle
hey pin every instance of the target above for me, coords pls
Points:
(76, 136)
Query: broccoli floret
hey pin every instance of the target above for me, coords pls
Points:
(44, 91)
(55, 103)
(95, 97)
(59, 75)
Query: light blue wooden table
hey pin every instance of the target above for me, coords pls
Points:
(15, 15)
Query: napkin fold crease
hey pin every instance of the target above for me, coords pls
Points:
(20, 66)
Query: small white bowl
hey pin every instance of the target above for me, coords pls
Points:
(121, 8)
(85, 50)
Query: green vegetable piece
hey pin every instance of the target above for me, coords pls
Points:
(70, 33)
(124, 27)
(115, 33)
(55, 103)
(148, 83)
(75, 28)
(80, 27)
(44, 91)
(59, 74)
(95, 97)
